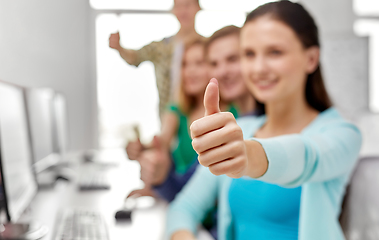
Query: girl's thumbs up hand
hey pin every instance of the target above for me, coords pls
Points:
(218, 139)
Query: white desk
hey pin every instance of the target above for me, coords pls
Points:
(148, 223)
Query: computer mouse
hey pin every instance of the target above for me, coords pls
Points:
(123, 215)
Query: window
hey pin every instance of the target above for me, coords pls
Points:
(366, 7)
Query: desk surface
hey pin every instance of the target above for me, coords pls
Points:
(147, 223)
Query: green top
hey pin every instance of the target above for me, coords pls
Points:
(183, 154)
(233, 109)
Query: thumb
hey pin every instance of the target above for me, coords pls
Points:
(156, 142)
(211, 98)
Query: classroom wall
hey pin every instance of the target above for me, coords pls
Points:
(45, 43)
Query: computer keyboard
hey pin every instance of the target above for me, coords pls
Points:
(94, 181)
(81, 224)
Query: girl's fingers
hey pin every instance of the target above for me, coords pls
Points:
(232, 167)
(217, 138)
(210, 123)
(218, 154)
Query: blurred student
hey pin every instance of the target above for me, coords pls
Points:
(166, 54)
(161, 166)
(158, 161)
(222, 53)
(288, 180)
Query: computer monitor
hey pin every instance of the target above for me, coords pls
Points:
(60, 122)
(41, 116)
(18, 182)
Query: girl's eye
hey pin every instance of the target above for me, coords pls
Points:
(275, 52)
(249, 53)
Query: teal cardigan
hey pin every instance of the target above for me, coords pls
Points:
(320, 159)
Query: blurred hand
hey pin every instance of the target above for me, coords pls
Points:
(134, 149)
(146, 191)
(114, 41)
(218, 139)
(155, 164)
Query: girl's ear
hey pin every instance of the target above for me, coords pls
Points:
(313, 58)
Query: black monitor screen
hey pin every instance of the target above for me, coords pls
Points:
(16, 158)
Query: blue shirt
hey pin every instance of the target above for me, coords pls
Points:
(320, 159)
(264, 211)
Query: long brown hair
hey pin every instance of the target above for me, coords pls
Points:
(296, 17)
(186, 102)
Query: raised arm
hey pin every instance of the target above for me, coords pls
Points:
(130, 56)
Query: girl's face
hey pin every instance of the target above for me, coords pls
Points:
(194, 71)
(274, 62)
